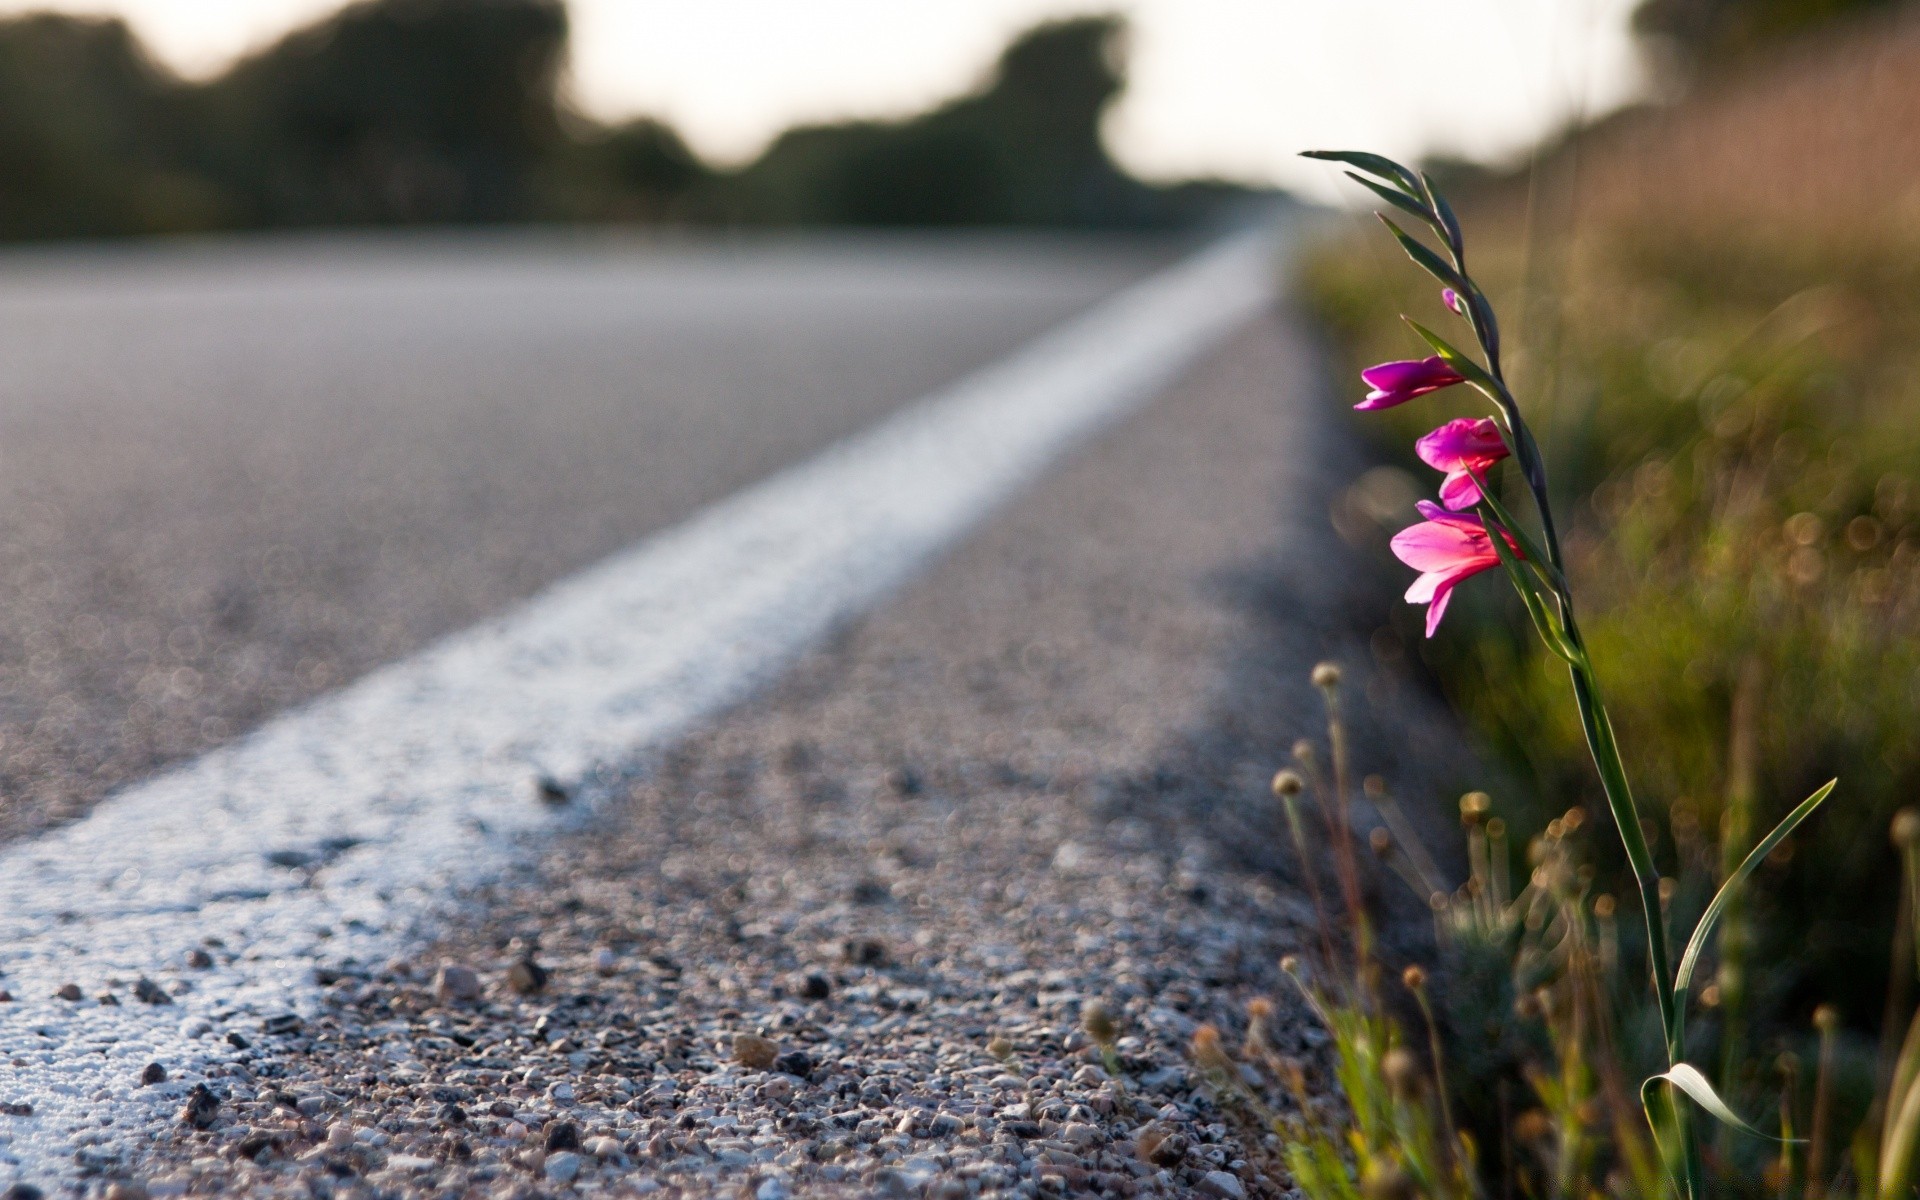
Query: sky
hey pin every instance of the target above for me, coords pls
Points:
(1227, 88)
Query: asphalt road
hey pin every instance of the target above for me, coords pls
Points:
(233, 476)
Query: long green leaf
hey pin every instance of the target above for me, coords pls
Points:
(1430, 262)
(1669, 1133)
(1372, 164)
(1452, 355)
(1449, 224)
(1528, 547)
(1397, 198)
(1688, 1079)
(1524, 582)
(1902, 1127)
(1701, 932)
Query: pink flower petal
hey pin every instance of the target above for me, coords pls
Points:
(1459, 491)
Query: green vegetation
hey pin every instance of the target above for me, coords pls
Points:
(1736, 468)
(443, 111)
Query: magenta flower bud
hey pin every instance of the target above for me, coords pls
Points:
(1463, 448)
(1446, 548)
(1452, 300)
(1398, 382)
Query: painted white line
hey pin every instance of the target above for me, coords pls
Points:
(333, 831)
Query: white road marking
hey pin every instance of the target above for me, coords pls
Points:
(332, 833)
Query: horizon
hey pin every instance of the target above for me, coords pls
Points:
(1227, 89)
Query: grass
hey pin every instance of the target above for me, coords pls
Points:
(1733, 469)
(1735, 439)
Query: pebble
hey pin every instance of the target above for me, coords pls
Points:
(526, 977)
(794, 1062)
(126, 1189)
(199, 959)
(69, 992)
(755, 1052)
(1224, 1185)
(563, 1167)
(201, 1108)
(148, 992)
(758, 1034)
(563, 1135)
(456, 984)
(815, 986)
(152, 1073)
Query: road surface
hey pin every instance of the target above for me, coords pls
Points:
(236, 475)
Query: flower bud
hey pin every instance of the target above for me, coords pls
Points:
(1826, 1018)
(1474, 806)
(1385, 1181)
(1099, 1024)
(1906, 828)
(1326, 675)
(1288, 783)
(1402, 1071)
(1415, 977)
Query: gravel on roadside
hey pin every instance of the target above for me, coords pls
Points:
(845, 940)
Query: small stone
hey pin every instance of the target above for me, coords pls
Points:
(603, 1147)
(201, 1108)
(6, 997)
(284, 1023)
(526, 976)
(551, 791)
(69, 992)
(199, 959)
(238, 1041)
(794, 1062)
(1000, 1048)
(605, 961)
(15, 1108)
(22, 1191)
(339, 1135)
(1082, 1135)
(755, 1053)
(453, 1114)
(564, 1167)
(456, 984)
(1161, 1146)
(864, 952)
(126, 1189)
(561, 1093)
(1224, 1185)
(815, 986)
(563, 1135)
(151, 1074)
(772, 1188)
(148, 992)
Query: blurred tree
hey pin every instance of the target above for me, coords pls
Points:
(641, 170)
(409, 111)
(1694, 35)
(90, 130)
(394, 111)
(1023, 150)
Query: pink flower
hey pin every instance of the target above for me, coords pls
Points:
(1452, 300)
(1446, 548)
(1463, 448)
(1398, 382)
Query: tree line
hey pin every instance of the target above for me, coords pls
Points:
(451, 111)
